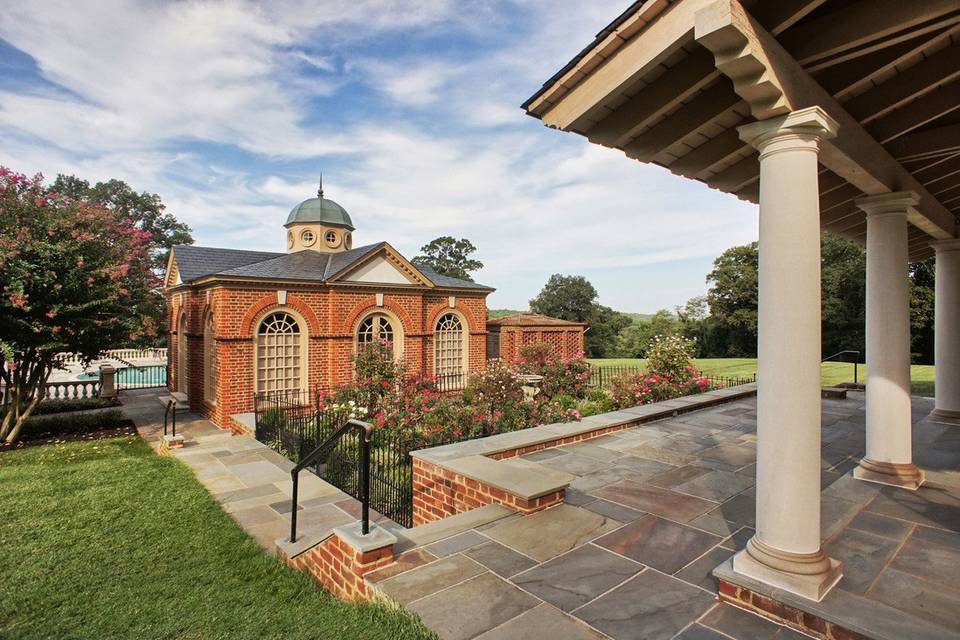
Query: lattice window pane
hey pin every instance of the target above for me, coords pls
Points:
(448, 345)
(278, 358)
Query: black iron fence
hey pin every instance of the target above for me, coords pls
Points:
(295, 423)
(603, 376)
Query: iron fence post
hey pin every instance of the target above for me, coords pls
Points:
(855, 372)
(293, 505)
(365, 482)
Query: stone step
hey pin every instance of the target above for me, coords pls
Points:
(834, 393)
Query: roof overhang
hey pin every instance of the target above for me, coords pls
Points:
(669, 82)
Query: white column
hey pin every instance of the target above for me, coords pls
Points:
(947, 332)
(785, 552)
(889, 454)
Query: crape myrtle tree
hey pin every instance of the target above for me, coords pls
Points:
(449, 257)
(144, 210)
(73, 278)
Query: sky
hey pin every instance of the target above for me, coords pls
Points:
(231, 110)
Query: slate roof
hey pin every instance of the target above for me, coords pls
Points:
(310, 266)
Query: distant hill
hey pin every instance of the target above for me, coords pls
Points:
(492, 314)
(500, 313)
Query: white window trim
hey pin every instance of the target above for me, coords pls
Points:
(464, 342)
(398, 331)
(304, 346)
(209, 359)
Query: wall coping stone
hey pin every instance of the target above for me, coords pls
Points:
(378, 537)
(304, 543)
(492, 445)
(521, 478)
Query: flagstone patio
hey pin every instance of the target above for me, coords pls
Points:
(652, 512)
(656, 508)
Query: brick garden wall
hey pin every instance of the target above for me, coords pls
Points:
(566, 342)
(440, 493)
(340, 568)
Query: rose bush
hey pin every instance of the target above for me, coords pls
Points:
(670, 374)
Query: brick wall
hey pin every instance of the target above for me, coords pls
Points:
(566, 342)
(331, 313)
(440, 493)
(340, 568)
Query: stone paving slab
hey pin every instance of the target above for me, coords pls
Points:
(546, 534)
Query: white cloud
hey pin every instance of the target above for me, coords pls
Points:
(446, 150)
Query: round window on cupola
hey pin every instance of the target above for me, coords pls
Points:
(348, 240)
(332, 238)
(308, 237)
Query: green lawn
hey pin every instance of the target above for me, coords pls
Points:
(921, 375)
(105, 539)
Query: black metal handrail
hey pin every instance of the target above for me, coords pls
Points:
(170, 410)
(843, 353)
(319, 454)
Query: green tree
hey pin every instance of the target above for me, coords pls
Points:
(566, 297)
(73, 277)
(733, 298)
(634, 340)
(921, 310)
(143, 210)
(574, 298)
(843, 274)
(449, 257)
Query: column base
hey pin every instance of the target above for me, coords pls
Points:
(905, 475)
(808, 575)
(945, 416)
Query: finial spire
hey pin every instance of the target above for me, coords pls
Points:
(320, 190)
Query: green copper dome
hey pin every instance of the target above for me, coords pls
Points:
(322, 210)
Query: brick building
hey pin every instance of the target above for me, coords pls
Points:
(508, 334)
(248, 321)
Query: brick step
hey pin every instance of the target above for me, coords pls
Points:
(834, 393)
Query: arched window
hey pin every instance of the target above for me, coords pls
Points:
(280, 356)
(209, 361)
(373, 327)
(182, 373)
(449, 350)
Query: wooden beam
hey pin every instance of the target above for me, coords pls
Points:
(946, 191)
(777, 17)
(689, 118)
(919, 112)
(939, 172)
(737, 175)
(864, 26)
(587, 92)
(676, 85)
(927, 75)
(827, 181)
(928, 142)
(708, 154)
(839, 197)
(773, 83)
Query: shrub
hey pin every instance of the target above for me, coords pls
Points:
(498, 385)
(48, 426)
(377, 373)
(561, 376)
(670, 356)
(64, 406)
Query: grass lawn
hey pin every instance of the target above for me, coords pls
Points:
(105, 539)
(921, 375)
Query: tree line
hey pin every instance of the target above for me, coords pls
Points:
(724, 321)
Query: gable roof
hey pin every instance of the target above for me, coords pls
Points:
(309, 266)
(195, 262)
(533, 320)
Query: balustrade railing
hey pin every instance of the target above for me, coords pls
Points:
(118, 354)
(72, 390)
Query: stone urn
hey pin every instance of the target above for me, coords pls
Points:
(530, 385)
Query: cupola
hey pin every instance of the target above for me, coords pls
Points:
(319, 224)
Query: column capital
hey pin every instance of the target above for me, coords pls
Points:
(893, 203)
(803, 128)
(946, 246)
